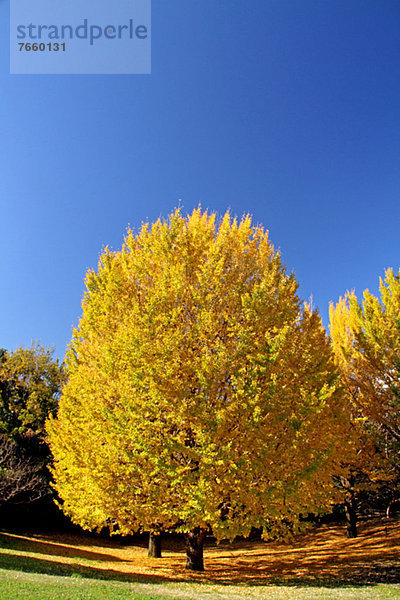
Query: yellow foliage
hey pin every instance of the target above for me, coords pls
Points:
(200, 391)
(366, 342)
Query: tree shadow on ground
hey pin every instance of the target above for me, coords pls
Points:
(322, 558)
(51, 548)
(28, 564)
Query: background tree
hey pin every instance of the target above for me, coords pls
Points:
(30, 385)
(20, 479)
(201, 395)
(366, 342)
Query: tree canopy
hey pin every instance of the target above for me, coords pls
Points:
(30, 386)
(201, 393)
(366, 342)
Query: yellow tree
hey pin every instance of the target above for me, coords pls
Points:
(366, 342)
(201, 394)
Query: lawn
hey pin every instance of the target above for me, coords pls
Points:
(320, 565)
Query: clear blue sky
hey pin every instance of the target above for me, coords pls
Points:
(289, 110)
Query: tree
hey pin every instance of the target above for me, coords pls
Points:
(20, 479)
(366, 342)
(201, 395)
(30, 385)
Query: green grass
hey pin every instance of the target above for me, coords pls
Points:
(20, 585)
(16, 585)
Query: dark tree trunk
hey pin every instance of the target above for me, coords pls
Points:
(194, 549)
(350, 503)
(154, 545)
(351, 516)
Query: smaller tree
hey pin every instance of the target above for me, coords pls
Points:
(21, 481)
(366, 343)
(30, 385)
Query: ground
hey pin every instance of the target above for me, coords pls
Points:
(323, 557)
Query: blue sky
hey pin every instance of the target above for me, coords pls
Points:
(287, 110)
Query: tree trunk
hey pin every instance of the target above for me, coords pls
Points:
(350, 504)
(351, 516)
(194, 549)
(154, 545)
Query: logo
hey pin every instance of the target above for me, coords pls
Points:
(52, 36)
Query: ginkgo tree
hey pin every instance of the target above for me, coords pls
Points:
(201, 395)
(366, 341)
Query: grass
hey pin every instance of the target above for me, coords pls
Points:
(320, 565)
(17, 586)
